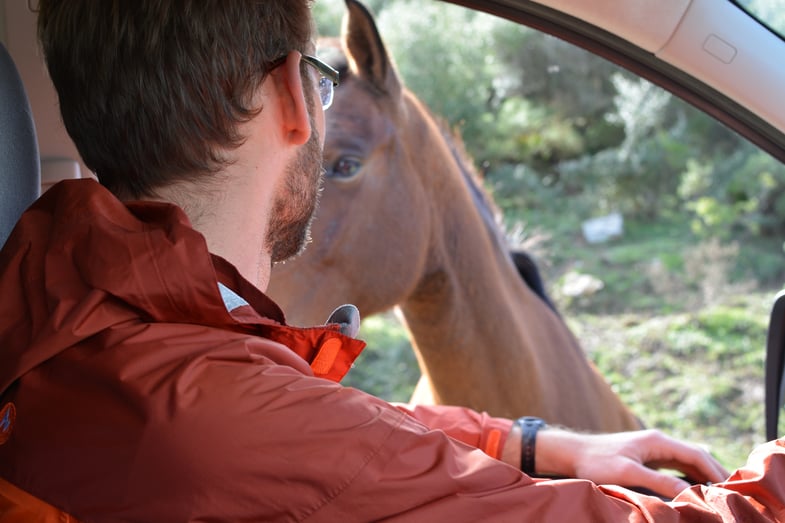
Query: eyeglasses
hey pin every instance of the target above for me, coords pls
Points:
(328, 79)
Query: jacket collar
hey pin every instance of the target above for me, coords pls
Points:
(79, 261)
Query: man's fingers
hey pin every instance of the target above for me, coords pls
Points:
(665, 485)
(694, 461)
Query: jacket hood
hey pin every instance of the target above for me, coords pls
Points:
(80, 261)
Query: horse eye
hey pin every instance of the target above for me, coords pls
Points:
(345, 168)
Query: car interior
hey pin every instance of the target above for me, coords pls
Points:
(27, 92)
(720, 72)
(20, 176)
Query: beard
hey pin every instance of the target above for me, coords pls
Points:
(295, 203)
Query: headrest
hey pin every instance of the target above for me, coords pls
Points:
(20, 170)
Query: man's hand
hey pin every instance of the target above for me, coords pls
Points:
(628, 459)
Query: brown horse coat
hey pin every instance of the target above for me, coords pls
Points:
(402, 221)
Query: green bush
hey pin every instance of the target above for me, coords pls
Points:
(387, 367)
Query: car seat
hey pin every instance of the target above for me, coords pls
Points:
(20, 185)
(20, 167)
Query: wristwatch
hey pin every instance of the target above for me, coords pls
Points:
(529, 426)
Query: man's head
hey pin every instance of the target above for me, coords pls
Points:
(153, 91)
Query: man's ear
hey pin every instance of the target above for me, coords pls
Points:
(294, 108)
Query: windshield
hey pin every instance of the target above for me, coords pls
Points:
(769, 12)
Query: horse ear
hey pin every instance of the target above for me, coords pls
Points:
(363, 45)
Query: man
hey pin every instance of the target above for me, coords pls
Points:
(144, 375)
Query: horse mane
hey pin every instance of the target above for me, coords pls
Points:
(491, 214)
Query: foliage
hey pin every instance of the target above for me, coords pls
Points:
(697, 376)
(740, 192)
(388, 367)
(328, 16)
(770, 11)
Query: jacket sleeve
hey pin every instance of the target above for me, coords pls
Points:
(477, 429)
(263, 442)
(427, 476)
(338, 454)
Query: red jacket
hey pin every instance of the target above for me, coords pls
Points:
(138, 397)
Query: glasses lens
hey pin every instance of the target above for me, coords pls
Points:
(326, 91)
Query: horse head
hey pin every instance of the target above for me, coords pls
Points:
(372, 226)
(404, 221)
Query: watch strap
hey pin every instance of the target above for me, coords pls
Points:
(529, 425)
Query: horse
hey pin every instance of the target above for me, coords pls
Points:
(404, 221)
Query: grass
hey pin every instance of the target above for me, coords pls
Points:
(696, 376)
(678, 330)
(387, 368)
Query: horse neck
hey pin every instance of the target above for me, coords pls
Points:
(469, 274)
(472, 316)
(470, 295)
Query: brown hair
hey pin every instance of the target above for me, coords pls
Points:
(151, 91)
